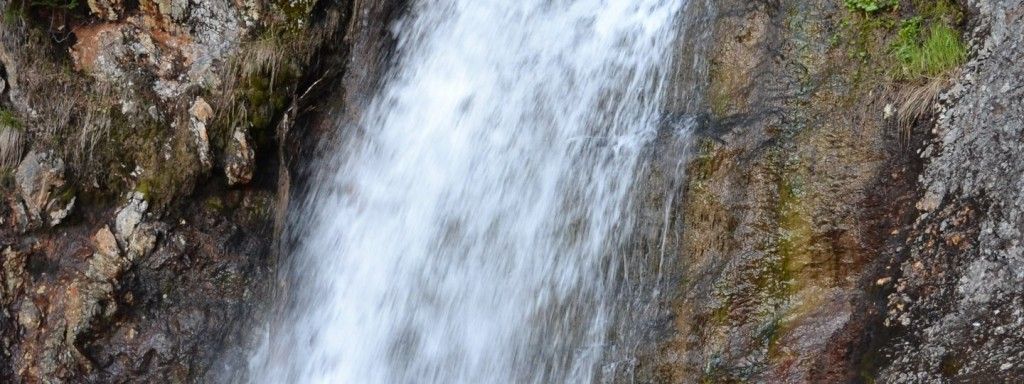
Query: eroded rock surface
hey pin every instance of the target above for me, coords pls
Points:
(801, 201)
(959, 297)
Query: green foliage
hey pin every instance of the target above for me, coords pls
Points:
(7, 119)
(869, 6)
(928, 52)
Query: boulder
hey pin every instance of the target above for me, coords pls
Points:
(136, 237)
(46, 193)
(129, 217)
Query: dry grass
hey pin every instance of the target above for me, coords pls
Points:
(917, 103)
(59, 105)
(12, 145)
(276, 57)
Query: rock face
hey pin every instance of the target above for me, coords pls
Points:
(177, 45)
(808, 248)
(958, 299)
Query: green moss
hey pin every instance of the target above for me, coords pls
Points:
(795, 231)
(139, 142)
(292, 14)
(214, 204)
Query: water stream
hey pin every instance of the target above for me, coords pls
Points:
(469, 232)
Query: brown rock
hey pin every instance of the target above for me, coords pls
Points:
(201, 113)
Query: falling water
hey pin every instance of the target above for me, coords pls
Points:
(469, 232)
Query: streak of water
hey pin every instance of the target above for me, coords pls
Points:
(469, 233)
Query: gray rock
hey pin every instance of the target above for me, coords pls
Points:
(28, 315)
(133, 235)
(175, 9)
(962, 276)
(129, 217)
(46, 194)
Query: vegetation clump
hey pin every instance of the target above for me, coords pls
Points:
(869, 6)
(928, 51)
(924, 38)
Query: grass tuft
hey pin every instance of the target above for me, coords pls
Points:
(869, 6)
(928, 54)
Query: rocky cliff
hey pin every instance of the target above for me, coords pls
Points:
(142, 170)
(851, 211)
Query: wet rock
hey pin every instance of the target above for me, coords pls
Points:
(46, 194)
(240, 161)
(120, 296)
(90, 297)
(107, 9)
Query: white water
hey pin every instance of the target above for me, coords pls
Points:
(469, 232)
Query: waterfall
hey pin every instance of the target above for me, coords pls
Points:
(468, 230)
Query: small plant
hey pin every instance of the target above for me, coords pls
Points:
(928, 53)
(869, 6)
(8, 120)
